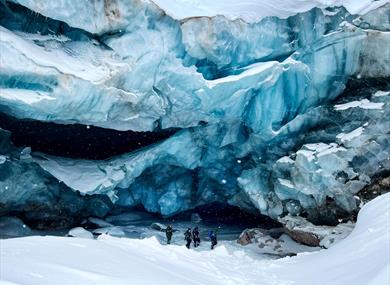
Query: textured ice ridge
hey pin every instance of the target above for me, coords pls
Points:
(255, 101)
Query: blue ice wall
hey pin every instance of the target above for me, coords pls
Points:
(255, 103)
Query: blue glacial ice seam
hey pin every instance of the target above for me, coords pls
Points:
(253, 135)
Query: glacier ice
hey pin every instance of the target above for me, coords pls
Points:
(163, 50)
(25, 187)
(280, 115)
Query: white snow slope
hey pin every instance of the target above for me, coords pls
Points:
(254, 10)
(362, 258)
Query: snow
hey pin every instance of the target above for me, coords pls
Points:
(251, 70)
(80, 232)
(364, 104)
(25, 96)
(362, 258)
(381, 93)
(318, 150)
(318, 147)
(334, 148)
(59, 59)
(308, 154)
(285, 159)
(349, 136)
(112, 231)
(286, 183)
(255, 10)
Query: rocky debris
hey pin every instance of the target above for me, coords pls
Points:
(304, 232)
(297, 235)
(248, 235)
(304, 237)
(279, 244)
(80, 233)
(379, 186)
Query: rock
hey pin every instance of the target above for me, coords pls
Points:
(304, 237)
(281, 246)
(378, 186)
(25, 153)
(248, 234)
(304, 232)
(158, 227)
(13, 227)
(195, 218)
(80, 233)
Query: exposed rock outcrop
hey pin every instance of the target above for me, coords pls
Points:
(304, 232)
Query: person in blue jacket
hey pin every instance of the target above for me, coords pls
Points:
(213, 237)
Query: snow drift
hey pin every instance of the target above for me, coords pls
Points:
(362, 258)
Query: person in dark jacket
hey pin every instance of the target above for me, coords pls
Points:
(188, 237)
(195, 237)
(169, 233)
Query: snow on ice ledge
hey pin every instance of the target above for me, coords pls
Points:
(101, 16)
(362, 258)
(254, 10)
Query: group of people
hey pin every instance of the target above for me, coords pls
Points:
(193, 236)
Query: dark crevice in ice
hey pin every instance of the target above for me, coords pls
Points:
(331, 119)
(19, 18)
(211, 71)
(218, 213)
(78, 141)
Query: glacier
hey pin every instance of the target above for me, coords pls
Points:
(283, 113)
(361, 259)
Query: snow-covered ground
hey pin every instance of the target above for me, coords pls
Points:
(362, 258)
(255, 10)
